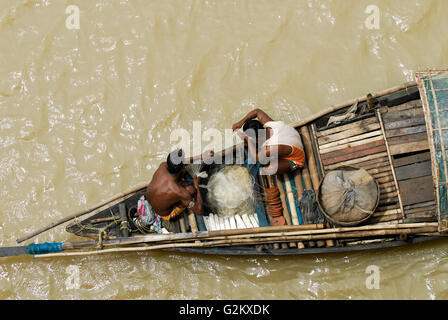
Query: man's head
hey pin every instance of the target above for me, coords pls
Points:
(175, 161)
(252, 127)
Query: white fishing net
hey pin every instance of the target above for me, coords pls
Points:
(230, 191)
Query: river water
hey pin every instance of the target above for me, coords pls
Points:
(87, 111)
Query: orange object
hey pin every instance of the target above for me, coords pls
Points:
(176, 211)
(297, 156)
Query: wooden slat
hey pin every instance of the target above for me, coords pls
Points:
(412, 159)
(387, 190)
(427, 211)
(420, 205)
(388, 178)
(405, 131)
(409, 147)
(355, 162)
(415, 170)
(385, 213)
(408, 105)
(387, 218)
(347, 133)
(354, 153)
(374, 164)
(384, 168)
(388, 195)
(399, 115)
(408, 138)
(387, 207)
(382, 174)
(358, 124)
(388, 201)
(348, 139)
(350, 144)
(404, 123)
(416, 190)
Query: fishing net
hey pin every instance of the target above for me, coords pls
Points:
(348, 196)
(231, 191)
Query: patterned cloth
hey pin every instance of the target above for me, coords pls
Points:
(147, 215)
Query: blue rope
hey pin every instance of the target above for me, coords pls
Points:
(42, 248)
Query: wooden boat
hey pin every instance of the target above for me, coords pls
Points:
(398, 136)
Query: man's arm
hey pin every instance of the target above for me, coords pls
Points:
(256, 113)
(206, 154)
(198, 204)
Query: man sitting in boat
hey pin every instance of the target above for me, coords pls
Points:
(167, 189)
(281, 144)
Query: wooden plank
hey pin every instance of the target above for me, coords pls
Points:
(387, 207)
(404, 123)
(416, 190)
(347, 133)
(399, 115)
(388, 178)
(387, 190)
(427, 210)
(388, 184)
(356, 161)
(412, 159)
(420, 205)
(415, 170)
(405, 106)
(374, 163)
(408, 138)
(352, 150)
(350, 144)
(405, 131)
(388, 195)
(386, 218)
(409, 147)
(358, 124)
(324, 146)
(382, 174)
(385, 213)
(355, 155)
(384, 168)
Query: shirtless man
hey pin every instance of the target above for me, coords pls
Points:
(167, 191)
(281, 144)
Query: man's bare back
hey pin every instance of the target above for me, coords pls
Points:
(167, 190)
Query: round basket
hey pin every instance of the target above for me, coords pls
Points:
(346, 202)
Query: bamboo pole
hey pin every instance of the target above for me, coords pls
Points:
(183, 225)
(230, 242)
(299, 184)
(292, 206)
(306, 139)
(306, 178)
